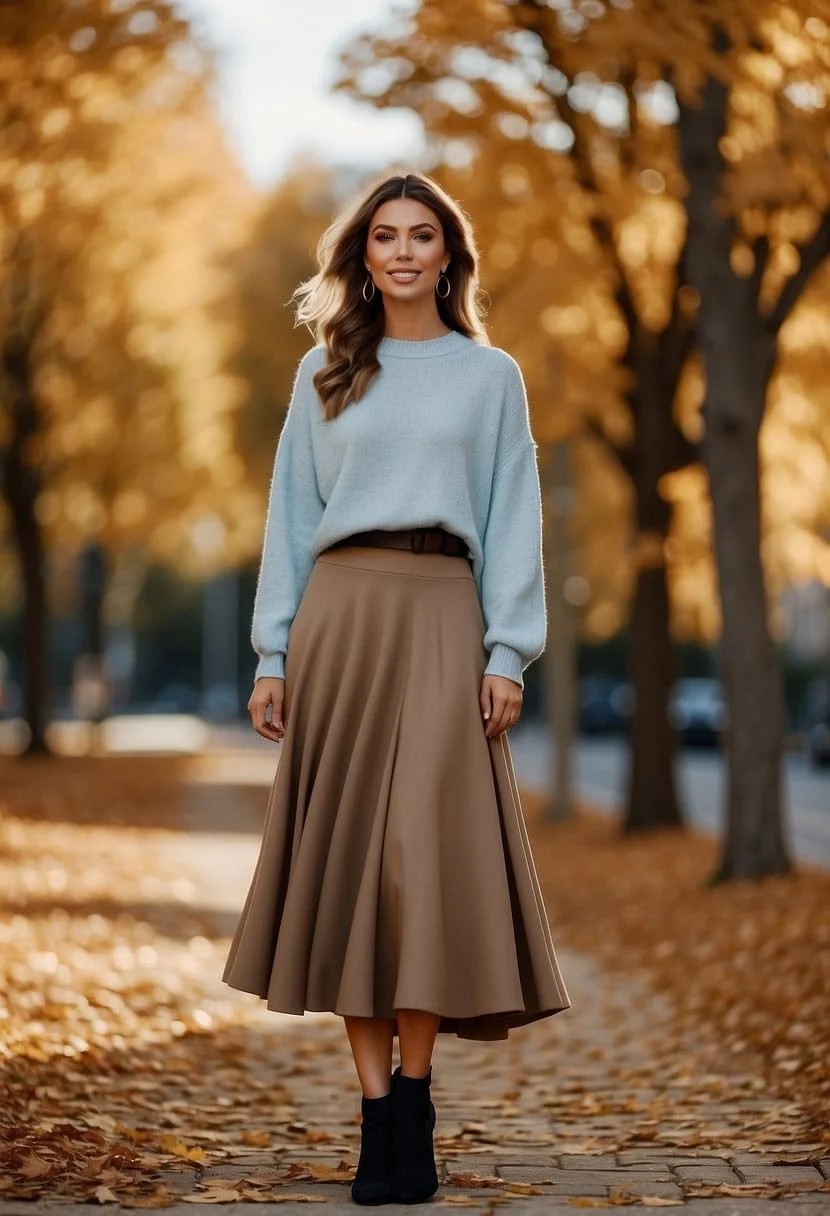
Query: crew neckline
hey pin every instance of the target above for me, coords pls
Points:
(422, 348)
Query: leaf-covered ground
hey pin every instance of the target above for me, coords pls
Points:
(130, 1074)
(750, 960)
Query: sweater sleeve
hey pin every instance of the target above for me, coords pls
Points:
(512, 579)
(294, 511)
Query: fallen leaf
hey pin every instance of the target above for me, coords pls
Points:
(298, 1197)
(171, 1144)
(224, 1195)
(159, 1197)
(326, 1173)
(34, 1167)
(762, 1190)
(256, 1139)
(473, 1180)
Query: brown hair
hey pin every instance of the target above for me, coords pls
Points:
(331, 301)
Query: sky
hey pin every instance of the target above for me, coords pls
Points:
(274, 63)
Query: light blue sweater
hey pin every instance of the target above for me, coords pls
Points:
(441, 438)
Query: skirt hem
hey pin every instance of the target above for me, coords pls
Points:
(492, 1024)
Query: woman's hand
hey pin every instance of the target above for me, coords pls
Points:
(268, 690)
(501, 704)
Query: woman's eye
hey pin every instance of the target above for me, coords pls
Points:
(384, 236)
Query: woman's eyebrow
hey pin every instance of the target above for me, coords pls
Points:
(425, 224)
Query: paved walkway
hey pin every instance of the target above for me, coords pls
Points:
(578, 1110)
(569, 1109)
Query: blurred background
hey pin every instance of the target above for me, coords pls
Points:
(650, 196)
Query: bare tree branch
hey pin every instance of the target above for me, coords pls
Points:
(761, 252)
(812, 255)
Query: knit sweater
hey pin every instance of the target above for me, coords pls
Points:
(441, 438)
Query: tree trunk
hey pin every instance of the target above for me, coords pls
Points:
(738, 355)
(30, 549)
(651, 799)
(753, 844)
(20, 487)
(20, 490)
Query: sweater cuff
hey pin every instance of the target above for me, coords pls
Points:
(505, 661)
(272, 666)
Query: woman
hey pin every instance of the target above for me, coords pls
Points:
(400, 599)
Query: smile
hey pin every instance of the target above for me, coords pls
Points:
(404, 276)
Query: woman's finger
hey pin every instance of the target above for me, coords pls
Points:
(262, 697)
(263, 727)
(499, 718)
(510, 716)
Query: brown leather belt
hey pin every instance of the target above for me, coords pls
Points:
(419, 540)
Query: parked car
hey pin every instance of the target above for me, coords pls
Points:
(605, 705)
(818, 742)
(817, 723)
(698, 710)
(174, 698)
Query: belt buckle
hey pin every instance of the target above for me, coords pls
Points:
(417, 540)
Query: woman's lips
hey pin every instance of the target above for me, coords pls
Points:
(404, 276)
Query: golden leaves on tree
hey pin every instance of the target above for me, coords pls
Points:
(120, 201)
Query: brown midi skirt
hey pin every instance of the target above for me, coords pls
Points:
(395, 870)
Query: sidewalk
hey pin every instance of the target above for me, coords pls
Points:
(228, 1103)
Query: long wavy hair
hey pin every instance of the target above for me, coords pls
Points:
(331, 302)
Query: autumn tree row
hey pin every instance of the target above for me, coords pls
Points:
(651, 187)
(650, 191)
(119, 209)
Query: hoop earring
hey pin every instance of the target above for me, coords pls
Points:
(369, 283)
(442, 295)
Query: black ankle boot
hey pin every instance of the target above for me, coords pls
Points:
(372, 1181)
(414, 1176)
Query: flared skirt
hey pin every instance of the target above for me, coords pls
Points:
(394, 870)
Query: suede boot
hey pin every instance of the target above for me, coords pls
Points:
(414, 1176)
(372, 1181)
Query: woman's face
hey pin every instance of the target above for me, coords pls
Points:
(405, 250)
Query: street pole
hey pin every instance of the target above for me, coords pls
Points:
(220, 646)
(90, 677)
(559, 666)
